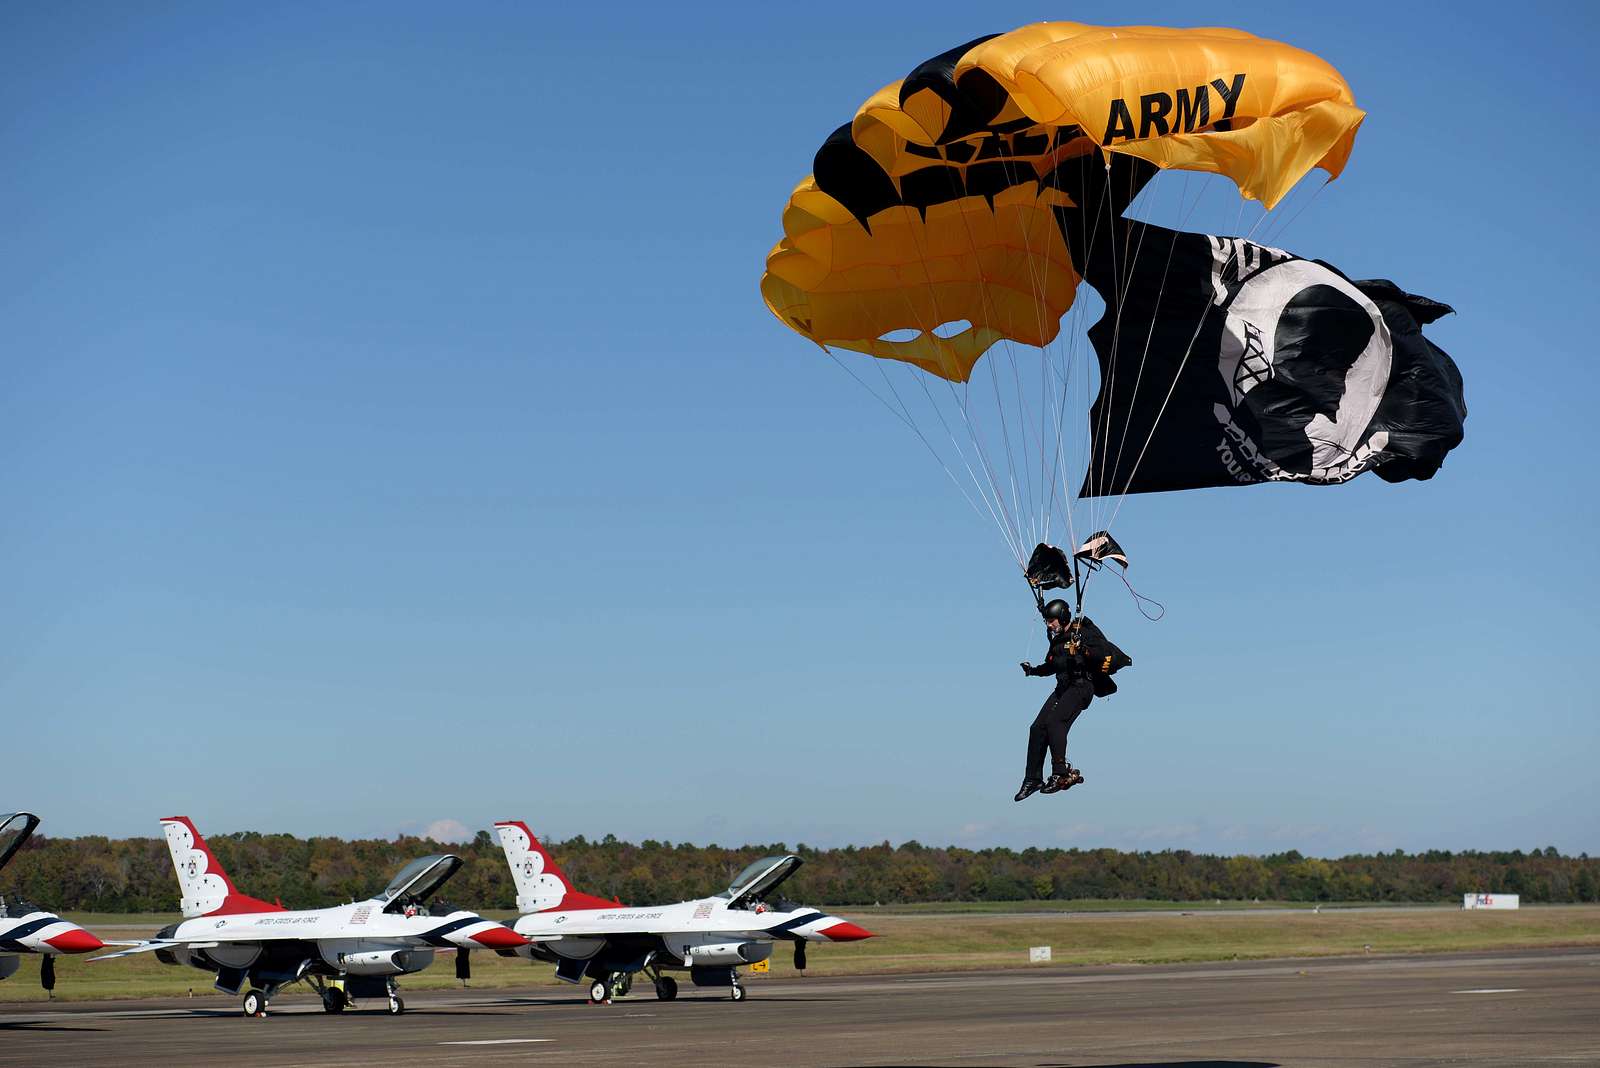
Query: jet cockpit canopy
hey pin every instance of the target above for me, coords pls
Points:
(418, 881)
(15, 829)
(759, 879)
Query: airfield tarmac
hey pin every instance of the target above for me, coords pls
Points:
(1516, 1007)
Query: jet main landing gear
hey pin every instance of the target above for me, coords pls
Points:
(666, 986)
(334, 998)
(255, 1003)
(614, 985)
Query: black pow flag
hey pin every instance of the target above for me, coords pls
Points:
(1224, 362)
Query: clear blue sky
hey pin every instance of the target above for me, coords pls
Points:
(392, 432)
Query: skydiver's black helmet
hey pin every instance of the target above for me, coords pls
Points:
(1056, 609)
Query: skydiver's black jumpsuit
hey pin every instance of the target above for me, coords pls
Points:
(1066, 703)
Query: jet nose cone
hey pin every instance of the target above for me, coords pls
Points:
(499, 937)
(75, 940)
(845, 931)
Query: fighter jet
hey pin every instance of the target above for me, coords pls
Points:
(27, 928)
(710, 938)
(346, 952)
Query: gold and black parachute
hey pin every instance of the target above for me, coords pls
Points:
(950, 225)
(943, 203)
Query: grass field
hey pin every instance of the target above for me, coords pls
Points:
(938, 938)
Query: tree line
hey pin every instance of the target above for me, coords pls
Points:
(95, 874)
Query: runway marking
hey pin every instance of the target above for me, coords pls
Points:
(494, 1041)
(1492, 990)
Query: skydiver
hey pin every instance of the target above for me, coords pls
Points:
(1082, 661)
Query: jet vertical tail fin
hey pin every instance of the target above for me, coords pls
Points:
(541, 884)
(207, 890)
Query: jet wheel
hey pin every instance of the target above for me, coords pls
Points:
(396, 1005)
(255, 1003)
(737, 993)
(599, 992)
(334, 1000)
(666, 988)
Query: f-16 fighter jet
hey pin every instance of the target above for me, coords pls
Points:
(27, 928)
(346, 952)
(711, 938)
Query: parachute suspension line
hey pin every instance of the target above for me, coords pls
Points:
(1122, 283)
(1024, 428)
(1013, 527)
(1144, 355)
(1086, 239)
(1005, 532)
(1058, 367)
(994, 499)
(1276, 233)
(960, 399)
(1005, 440)
(1122, 278)
(1090, 475)
(1155, 424)
(912, 426)
(1040, 286)
(1015, 547)
(1026, 496)
(1176, 377)
(905, 416)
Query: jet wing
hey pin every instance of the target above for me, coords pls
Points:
(210, 941)
(142, 947)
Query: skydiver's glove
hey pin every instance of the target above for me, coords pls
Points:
(1027, 668)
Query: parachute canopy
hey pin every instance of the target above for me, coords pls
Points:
(936, 222)
(1048, 568)
(1100, 547)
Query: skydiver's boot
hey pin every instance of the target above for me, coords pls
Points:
(1066, 780)
(1029, 788)
(1062, 780)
